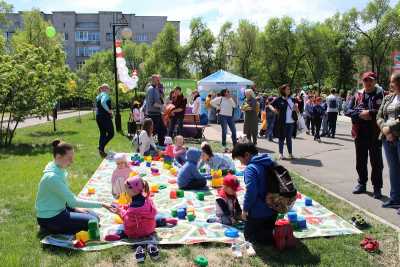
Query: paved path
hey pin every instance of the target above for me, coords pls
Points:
(61, 115)
(330, 164)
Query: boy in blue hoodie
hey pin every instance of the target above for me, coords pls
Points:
(259, 218)
(189, 176)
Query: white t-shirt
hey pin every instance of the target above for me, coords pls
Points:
(145, 141)
(332, 103)
(226, 105)
(196, 106)
(289, 111)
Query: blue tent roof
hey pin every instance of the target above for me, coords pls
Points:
(224, 78)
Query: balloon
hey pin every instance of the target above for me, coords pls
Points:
(126, 33)
(50, 31)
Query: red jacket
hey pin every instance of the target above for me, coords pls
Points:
(139, 222)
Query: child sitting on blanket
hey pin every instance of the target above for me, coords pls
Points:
(179, 149)
(120, 174)
(214, 161)
(146, 144)
(189, 176)
(228, 209)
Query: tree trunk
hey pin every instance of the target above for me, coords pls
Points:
(12, 133)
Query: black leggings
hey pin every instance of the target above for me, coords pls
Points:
(106, 129)
(260, 230)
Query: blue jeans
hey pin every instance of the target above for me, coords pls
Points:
(289, 127)
(67, 222)
(392, 152)
(227, 120)
(270, 126)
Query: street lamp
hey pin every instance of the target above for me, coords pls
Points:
(121, 23)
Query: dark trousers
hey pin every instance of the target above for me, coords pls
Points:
(317, 121)
(106, 129)
(310, 124)
(289, 128)
(159, 128)
(332, 118)
(173, 122)
(196, 184)
(260, 230)
(67, 222)
(366, 144)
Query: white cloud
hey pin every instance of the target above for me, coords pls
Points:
(82, 5)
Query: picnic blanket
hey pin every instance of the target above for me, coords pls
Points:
(320, 221)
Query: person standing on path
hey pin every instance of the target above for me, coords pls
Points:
(271, 118)
(58, 210)
(333, 109)
(178, 113)
(225, 106)
(362, 110)
(249, 107)
(154, 106)
(104, 117)
(388, 119)
(286, 108)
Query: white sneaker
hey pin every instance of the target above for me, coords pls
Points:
(236, 250)
(249, 249)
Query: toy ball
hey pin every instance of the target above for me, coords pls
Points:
(50, 31)
(201, 261)
(232, 233)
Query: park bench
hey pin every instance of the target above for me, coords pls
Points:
(192, 129)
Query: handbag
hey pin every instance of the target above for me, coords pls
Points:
(295, 117)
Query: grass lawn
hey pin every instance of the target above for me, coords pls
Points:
(21, 167)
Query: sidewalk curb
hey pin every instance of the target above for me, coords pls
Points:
(370, 214)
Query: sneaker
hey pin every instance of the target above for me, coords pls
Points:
(236, 251)
(391, 204)
(360, 189)
(377, 193)
(153, 251)
(102, 154)
(140, 254)
(249, 249)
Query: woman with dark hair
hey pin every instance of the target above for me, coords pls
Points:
(196, 103)
(214, 161)
(58, 210)
(388, 119)
(258, 216)
(104, 118)
(225, 106)
(145, 140)
(286, 108)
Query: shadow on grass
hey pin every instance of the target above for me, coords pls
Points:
(21, 149)
(51, 133)
(299, 256)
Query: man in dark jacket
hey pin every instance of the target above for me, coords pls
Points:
(362, 109)
(258, 216)
(178, 114)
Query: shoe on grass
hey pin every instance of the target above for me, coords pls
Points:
(236, 251)
(360, 189)
(140, 254)
(153, 251)
(391, 204)
(249, 249)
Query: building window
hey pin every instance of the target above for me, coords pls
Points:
(65, 36)
(79, 64)
(86, 51)
(142, 25)
(64, 24)
(141, 37)
(94, 36)
(83, 36)
(109, 36)
(87, 25)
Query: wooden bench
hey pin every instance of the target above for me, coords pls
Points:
(192, 127)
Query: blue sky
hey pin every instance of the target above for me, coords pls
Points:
(214, 12)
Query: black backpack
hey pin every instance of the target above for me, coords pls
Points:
(281, 191)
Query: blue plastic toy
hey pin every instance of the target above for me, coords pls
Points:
(292, 216)
(148, 164)
(301, 222)
(181, 213)
(232, 233)
(308, 201)
(238, 173)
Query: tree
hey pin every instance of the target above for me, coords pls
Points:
(377, 27)
(280, 52)
(4, 9)
(201, 51)
(224, 46)
(245, 47)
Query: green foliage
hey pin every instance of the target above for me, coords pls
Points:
(4, 9)
(224, 46)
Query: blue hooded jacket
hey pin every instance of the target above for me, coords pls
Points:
(189, 170)
(256, 187)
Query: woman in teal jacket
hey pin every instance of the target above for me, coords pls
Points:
(58, 210)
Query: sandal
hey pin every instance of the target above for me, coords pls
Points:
(359, 222)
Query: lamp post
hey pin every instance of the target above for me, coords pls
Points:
(122, 23)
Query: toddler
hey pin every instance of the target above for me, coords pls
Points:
(179, 149)
(228, 209)
(189, 176)
(120, 174)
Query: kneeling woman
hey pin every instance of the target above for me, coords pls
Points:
(58, 210)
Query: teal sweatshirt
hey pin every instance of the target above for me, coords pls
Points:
(54, 194)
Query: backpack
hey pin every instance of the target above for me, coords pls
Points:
(281, 192)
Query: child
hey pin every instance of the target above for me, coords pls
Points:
(318, 113)
(189, 176)
(179, 149)
(214, 161)
(146, 144)
(139, 216)
(120, 174)
(228, 209)
(169, 147)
